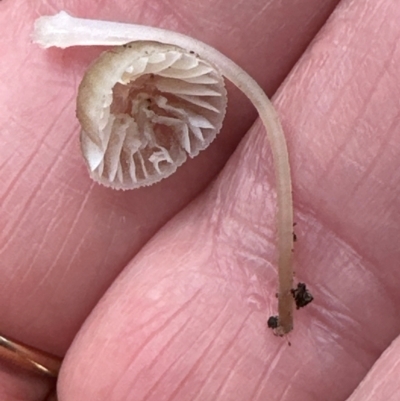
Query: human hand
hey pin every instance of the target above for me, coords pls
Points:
(187, 317)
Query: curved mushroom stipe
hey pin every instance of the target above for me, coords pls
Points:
(107, 157)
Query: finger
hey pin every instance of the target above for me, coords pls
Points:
(382, 381)
(64, 239)
(187, 318)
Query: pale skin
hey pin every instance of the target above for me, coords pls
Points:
(187, 317)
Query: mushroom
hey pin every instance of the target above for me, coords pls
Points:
(156, 98)
(144, 107)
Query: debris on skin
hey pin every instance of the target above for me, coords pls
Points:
(272, 322)
(302, 297)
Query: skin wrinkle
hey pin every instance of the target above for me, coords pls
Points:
(51, 203)
(256, 16)
(213, 20)
(322, 343)
(179, 18)
(318, 7)
(257, 261)
(294, 384)
(230, 347)
(35, 189)
(354, 246)
(86, 375)
(226, 267)
(232, 223)
(239, 224)
(348, 243)
(223, 353)
(68, 188)
(377, 284)
(195, 366)
(108, 256)
(213, 341)
(240, 279)
(226, 198)
(389, 371)
(168, 322)
(74, 256)
(333, 347)
(120, 385)
(374, 270)
(327, 299)
(317, 10)
(315, 77)
(14, 181)
(5, 162)
(227, 366)
(360, 345)
(224, 380)
(267, 373)
(376, 159)
(49, 271)
(361, 113)
(347, 88)
(153, 363)
(336, 155)
(356, 342)
(23, 273)
(53, 291)
(394, 177)
(154, 320)
(146, 11)
(244, 211)
(220, 392)
(48, 234)
(68, 234)
(326, 304)
(51, 6)
(254, 237)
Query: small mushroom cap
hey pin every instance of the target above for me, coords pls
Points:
(144, 107)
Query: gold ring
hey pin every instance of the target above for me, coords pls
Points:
(29, 358)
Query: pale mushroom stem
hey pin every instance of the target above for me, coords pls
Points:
(62, 30)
